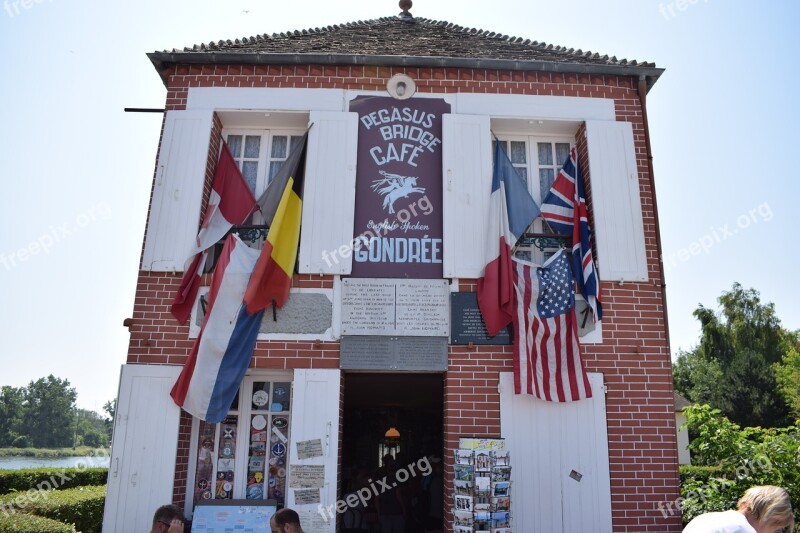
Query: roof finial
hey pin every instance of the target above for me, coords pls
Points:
(405, 5)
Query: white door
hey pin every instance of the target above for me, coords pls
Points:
(144, 449)
(316, 400)
(559, 461)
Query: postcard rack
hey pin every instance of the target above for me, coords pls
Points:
(482, 487)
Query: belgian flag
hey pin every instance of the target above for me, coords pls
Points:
(282, 207)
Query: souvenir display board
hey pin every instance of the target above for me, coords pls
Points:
(227, 468)
(482, 483)
(233, 515)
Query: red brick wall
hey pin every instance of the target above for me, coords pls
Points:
(634, 356)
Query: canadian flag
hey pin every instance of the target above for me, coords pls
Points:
(231, 202)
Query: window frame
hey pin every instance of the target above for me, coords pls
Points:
(532, 168)
(243, 412)
(265, 158)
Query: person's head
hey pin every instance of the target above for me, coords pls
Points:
(768, 509)
(285, 521)
(164, 517)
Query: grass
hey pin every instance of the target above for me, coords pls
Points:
(80, 451)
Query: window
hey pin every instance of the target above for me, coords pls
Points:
(245, 455)
(538, 160)
(260, 154)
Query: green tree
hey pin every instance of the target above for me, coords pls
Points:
(787, 373)
(740, 457)
(90, 429)
(733, 367)
(11, 404)
(110, 407)
(49, 413)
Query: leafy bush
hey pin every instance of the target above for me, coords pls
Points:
(27, 523)
(735, 459)
(73, 451)
(50, 478)
(81, 506)
(22, 441)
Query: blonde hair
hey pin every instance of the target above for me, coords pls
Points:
(768, 504)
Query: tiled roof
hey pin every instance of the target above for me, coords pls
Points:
(416, 37)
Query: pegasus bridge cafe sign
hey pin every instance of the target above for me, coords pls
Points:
(398, 208)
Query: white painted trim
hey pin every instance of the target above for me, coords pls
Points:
(519, 106)
(449, 98)
(191, 476)
(535, 107)
(337, 308)
(265, 98)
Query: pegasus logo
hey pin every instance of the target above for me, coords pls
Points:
(394, 186)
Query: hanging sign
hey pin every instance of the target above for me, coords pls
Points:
(398, 209)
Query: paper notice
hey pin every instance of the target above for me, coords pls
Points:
(314, 522)
(306, 496)
(307, 449)
(307, 476)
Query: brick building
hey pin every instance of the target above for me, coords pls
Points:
(318, 372)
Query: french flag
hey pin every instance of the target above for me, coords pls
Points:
(231, 202)
(511, 211)
(221, 353)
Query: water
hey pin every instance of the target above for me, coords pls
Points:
(16, 463)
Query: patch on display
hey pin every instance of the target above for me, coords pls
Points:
(260, 398)
(278, 449)
(259, 422)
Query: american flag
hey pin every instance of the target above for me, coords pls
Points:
(559, 210)
(547, 357)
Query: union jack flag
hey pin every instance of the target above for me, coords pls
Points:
(559, 210)
(547, 356)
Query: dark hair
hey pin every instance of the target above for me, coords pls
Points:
(167, 513)
(287, 516)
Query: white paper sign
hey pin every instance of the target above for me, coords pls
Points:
(306, 496)
(313, 522)
(307, 449)
(307, 476)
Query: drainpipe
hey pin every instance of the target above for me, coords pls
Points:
(643, 101)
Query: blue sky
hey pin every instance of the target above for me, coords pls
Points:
(77, 171)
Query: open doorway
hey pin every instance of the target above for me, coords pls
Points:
(393, 428)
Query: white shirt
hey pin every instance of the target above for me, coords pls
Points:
(725, 522)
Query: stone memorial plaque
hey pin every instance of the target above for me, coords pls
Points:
(393, 353)
(304, 312)
(395, 307)
(467, 322)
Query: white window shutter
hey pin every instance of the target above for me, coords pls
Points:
(329, 194)
(316, 402)
(142, 469)
(547, 441)
(467, 174)
(616, 203)
(178, 190)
